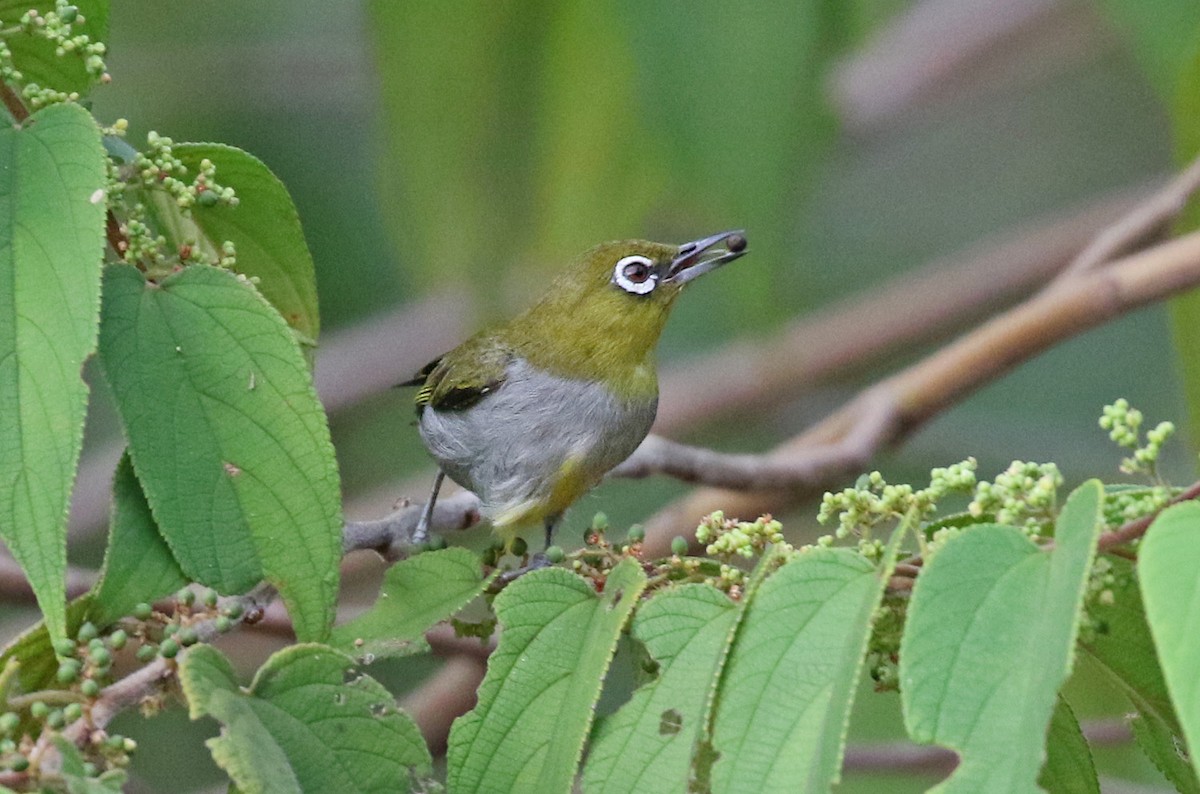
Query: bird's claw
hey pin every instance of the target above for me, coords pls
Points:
(502, 581)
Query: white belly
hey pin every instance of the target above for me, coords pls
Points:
(512, 447)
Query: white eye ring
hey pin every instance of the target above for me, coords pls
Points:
(629, 285)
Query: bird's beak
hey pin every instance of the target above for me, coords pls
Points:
(701, 256)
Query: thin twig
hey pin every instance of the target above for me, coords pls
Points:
(1147, 222)
(1135, 529)
(906, 757)
(391, 535)
(950, 374)
(13, 102)
(845, 338)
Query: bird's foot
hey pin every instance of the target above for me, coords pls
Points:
(502, 581)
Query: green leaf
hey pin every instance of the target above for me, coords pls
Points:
(1069, 768)
(51, 243)
(138, 565)
(1167, 563)
(75, 774)
(1123, 649)
(307, 723)
(416, 594)
(786, 691)
(35, 56)
(989, 640)
(34, 651)
(1166, 750)
(265, 229)
(649, 742)
(226, 434)
(536, 701)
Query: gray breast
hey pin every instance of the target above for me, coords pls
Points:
(510, 447)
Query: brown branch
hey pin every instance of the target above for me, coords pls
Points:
(13, 103)
(935, 49)
(1145, 223)
(1133, 530)
(906, 757)
(443, 698)
(929, 386)
(849, 336)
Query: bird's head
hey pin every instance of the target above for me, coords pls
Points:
(601, 318)
(640, 271)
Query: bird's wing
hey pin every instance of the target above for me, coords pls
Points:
(463, 376)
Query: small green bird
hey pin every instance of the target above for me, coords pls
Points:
(532, 414)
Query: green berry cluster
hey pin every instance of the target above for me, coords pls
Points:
(726, 537)
(873, 501)
(1129, 504)
(883, 649)
(57, 27)
(158, 167)
(1105, 580)
(85, 664)
(1124, 424)
(1023, 495)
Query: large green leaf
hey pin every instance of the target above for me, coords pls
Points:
(265, 229)
(990, 639)
(138, 565)
(536, 701)
(226, 434)
(1167, 563)
(307, 723)
(1124, 649)
(416, 594)
(51, 243)
(787, 688)
(1069, 768)
(649, 742)
(35, 57)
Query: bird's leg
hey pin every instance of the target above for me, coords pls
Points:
(550, 523)
(537, 561)
(421, 533)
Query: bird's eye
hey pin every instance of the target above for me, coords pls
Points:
(635, 274)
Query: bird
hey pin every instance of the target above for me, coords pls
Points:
(531, 414)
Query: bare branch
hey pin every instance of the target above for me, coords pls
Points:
(907, 757)
(658, 455)
(391, 535)
(448, 694)
(1144, 224)
(839, 340)
(929, 386)
(939, 48)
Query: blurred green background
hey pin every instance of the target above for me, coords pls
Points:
(447, 158)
